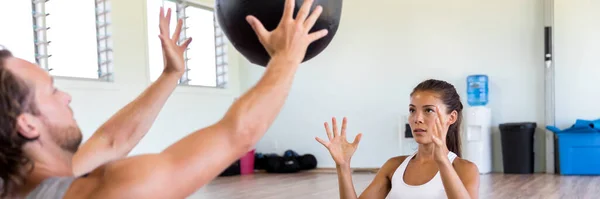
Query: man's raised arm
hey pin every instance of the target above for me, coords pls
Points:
(123, 131)
(195, 160)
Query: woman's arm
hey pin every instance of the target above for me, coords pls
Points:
(346, 186)
(379, 187)
(461, 180)
(382, 183)
(462, 183)
(341, 151)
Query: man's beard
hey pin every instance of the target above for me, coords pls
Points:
(68, 138)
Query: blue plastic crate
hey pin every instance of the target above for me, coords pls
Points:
(577, 149)
(578, 153)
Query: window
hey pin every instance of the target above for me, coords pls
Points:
(73, 42)
(206, 57)
(15, 19)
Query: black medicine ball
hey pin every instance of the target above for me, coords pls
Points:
(231, 15)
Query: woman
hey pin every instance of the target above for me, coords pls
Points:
(435, 170)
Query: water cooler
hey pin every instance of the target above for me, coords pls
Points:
(477, 136)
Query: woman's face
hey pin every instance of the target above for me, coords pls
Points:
(422, 115)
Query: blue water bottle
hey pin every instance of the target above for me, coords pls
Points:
(477, 90)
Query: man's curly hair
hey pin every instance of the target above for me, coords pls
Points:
(16, 98)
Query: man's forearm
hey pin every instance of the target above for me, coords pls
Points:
(127, 127)
(254, 111)
(117, 136)
(215, 147)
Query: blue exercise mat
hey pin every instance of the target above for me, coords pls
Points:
(580, 126)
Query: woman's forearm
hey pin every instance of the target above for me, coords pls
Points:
(453, 185)
(345, 180)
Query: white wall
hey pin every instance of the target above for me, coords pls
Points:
(384, 49)
(188, 109)
(404, 42)
(576, 49)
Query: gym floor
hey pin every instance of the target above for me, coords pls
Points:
(316, 185)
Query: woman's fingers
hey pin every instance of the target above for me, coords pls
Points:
(357, 140)
(335, 128)
(323, 142)
(329, 134)
(344, 123)
(441, 125)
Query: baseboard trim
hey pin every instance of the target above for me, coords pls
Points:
(334, 170)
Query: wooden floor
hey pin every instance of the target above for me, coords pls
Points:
(324, 185)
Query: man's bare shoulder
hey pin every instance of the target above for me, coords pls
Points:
(86, 186)
(82, 187)
(121, 178)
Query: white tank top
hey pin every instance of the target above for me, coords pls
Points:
(431, 189)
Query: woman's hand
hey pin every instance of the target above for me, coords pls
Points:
(340, 149)
(440, 152)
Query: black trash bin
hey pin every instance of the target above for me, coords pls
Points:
(517, 147)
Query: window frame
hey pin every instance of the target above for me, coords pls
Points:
(104, 43)
(221, 69)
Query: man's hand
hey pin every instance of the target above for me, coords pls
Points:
(172, 52)
(291, 37)
(123, 131)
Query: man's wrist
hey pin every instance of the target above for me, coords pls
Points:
(172, 74)
(287, 59)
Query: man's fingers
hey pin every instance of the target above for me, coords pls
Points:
(303, 12)
(164, 21)
(161, 22)
(163, 41)
(186, 43)
(257, 26)
(288, 10)
(177, 32)
(162, 14)
(312, 19)
(317, 35)
(168, 21)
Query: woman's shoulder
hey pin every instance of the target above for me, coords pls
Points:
(398, 159)
(465, 167)
(390, 166)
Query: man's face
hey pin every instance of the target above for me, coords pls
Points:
(54, 121)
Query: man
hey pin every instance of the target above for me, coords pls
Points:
(40, 155)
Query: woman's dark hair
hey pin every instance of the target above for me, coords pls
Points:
(452, 101)
(15, 99)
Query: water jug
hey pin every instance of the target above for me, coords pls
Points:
(477, 90)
